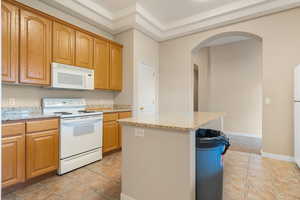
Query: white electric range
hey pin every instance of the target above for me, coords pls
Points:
(80, 132)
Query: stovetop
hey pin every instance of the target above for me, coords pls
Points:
(67, 107)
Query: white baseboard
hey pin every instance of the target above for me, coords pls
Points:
(125, 197)
(297, 162)
(278, 157)
(242, 134)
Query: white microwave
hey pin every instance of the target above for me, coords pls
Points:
(71, 77)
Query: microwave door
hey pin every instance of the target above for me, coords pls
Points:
(68, 79)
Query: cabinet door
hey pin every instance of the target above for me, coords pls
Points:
(115, 67)
(41, 153)
(101, 64)
(13, 160)
(10, 42)
(122, 115)
(84, 50)
(63, 44)
(110, 136)
(35, 49)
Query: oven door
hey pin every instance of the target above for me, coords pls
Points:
(79, 135)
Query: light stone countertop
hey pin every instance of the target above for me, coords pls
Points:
(175, 121)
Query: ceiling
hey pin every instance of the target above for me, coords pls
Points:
(169, 11)
(115, 5)
(167, 19)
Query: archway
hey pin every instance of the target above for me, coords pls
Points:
(227, 74)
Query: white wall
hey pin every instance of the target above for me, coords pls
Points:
(281, 46)
(64, 16)
(236, 85)
(30, 96)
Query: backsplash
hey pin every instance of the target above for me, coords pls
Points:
(29, 96)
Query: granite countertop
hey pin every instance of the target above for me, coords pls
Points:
(110, 110)
(175, 121)
(14, 114)
(24, 116)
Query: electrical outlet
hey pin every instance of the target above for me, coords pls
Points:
(12, 101)
(139, 132)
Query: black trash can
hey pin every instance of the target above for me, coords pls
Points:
(210, 146)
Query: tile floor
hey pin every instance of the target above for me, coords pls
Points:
(247, 176)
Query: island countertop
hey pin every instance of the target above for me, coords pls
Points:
(176, 121)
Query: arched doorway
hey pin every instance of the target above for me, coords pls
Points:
(227, 77)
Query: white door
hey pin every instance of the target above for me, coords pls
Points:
(146, 96)
(297, 83)
(297, 132)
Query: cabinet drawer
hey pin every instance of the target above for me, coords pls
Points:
(41, 125)
(110, 117)
(123, 115)
(13, 129)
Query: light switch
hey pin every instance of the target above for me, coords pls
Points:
(139, 132)
(12, 101)
(267, 100)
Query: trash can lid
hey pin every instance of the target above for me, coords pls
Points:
(208, 138)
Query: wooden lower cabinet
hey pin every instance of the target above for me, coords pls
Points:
(41, 153)
(13, 153)
(13, 160)
(112, 132)
(122, 115)
(110, 136)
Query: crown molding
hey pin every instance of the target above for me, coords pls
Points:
(135, 16)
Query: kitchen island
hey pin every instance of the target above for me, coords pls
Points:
(158, 154)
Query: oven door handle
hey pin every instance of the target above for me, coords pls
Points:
(80, 121)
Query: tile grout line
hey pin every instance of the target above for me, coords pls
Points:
(247, 174)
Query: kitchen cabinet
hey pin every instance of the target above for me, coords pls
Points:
(41, 147)
(122, 115)
(84, 50)
(110, 132)
(31, 40)
(10, 42)
(13, 153)
(63, 44)
(35, 48)
(101, 64)
(116, 77)
(110, 136)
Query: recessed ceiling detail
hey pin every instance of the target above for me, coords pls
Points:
(163, 20)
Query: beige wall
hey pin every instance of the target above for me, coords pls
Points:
(204, 83)
(281, 46)
(236, 85)
(138, 48)
(126, 96)
(146, 51)
(31, 96)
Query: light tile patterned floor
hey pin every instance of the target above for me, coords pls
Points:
(246, 177)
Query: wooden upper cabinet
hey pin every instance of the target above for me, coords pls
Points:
(63, 44)
(35, 48)
(115, 66)
(10, 42)
(84, 50)
(101, 64)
